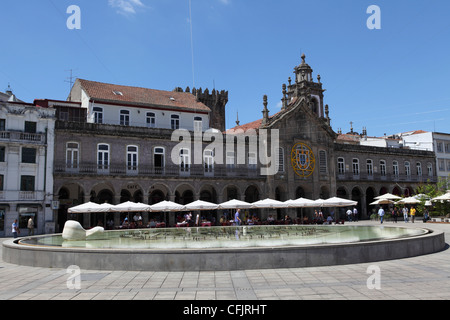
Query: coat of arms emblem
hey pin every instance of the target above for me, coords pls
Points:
(303, 160)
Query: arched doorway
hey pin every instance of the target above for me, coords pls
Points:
(370, 197)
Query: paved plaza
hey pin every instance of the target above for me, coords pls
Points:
(417, 278)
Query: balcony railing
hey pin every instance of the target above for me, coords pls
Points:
(153, 171)
(16, 136)
(363, 176)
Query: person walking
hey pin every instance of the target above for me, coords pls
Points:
(237, 219)
(381, 213)
(355, 214)
(412, 213)
(395, 214)
(30, 226)
(15, 229)
(405, 213)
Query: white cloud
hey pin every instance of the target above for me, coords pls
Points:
(126, 7)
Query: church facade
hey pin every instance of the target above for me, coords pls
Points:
(145, 145)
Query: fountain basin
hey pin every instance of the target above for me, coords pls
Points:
(225, 248)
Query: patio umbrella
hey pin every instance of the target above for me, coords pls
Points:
(85, 208)
(201, 205)
(166, 206)
(299, 203)
(338, 202)
(409, 200)
(235, 204)
(382, 201)
(130, 207)
(268, 203)
(388, 196)
(444, 197)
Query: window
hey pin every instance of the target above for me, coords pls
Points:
(395, 168)
(322, 161)
(175, 121)
(252, 162)
(448, 165)
(230, 160)
(27, 183)
(430, 169)
(198, 124)
(103, 156)
(124, 117)
(185, 160)
(72, 153)
(117, 93)
(280, 162)
(208, 158)
(132, 158)
(2, 153)
(447, 147)
(28, 155)
(98, 115)
(419, 169)
(355, 166)
(407, 168)
(441, 163)
(341, 165)
(2, 124)
(383, 168)
(158, 160)
(30, 127)
(369, 167)
(439, 146)
(2, 179)
(151, 120)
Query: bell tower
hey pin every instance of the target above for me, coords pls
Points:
(305, 86)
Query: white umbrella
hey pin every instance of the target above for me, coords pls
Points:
(299, 203)
(317, 203)
(130, 207)
(85, 208)
(382, 201)
(338, 202)
(409, 200)
(388, 196)
(268, 203)
(201, 205)
(166, 206)
(235, 204)
(444, 197)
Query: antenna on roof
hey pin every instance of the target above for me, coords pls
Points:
(70, 80)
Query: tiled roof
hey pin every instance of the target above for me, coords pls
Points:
(137, 96)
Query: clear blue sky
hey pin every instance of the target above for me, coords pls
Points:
(391, 80)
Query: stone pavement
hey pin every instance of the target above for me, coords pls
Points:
(417, 278)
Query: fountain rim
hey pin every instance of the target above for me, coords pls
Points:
(17, 242)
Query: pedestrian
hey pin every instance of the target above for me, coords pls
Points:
(30, 227)
(355, 214)
(381, 213)
(412, 213)
(405, 213)
(349, 215)
(15, 229)
(395, 214)
(237, 219)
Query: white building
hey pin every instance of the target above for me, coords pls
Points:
(26, 166)
(140, 107)
(431, 141)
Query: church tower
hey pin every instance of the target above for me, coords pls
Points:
(305, 86)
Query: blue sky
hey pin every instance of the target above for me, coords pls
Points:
(391, 80)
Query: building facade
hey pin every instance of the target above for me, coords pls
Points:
(147, 145)
(26, 166)
(437, 142)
